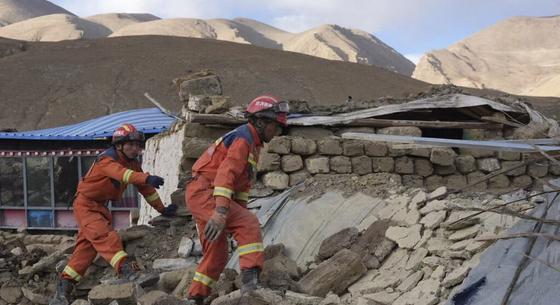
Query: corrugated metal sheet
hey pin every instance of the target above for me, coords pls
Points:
(148, 120)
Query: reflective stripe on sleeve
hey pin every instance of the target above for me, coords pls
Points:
(222, 191)
(153, 197)
(126, 175)
(243, 196)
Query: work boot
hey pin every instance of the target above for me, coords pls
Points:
(250, 280)
(63, 290)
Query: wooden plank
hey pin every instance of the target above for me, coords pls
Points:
(423, 124)
(491, 145)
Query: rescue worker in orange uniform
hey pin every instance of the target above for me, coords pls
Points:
(218, 194)
(106, 180)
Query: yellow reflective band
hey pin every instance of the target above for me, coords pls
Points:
(251, 160)
(204, 279)
(152, 197)
(223, 191)
(72, 273)
(218, 141)
(243, 196)
(117, 258)
(250, 248)
(127, 175)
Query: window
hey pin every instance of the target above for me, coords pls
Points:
(65, 176)
(11, 182)
(38, 182)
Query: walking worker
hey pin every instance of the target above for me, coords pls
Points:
(113, 170)
(218, 194)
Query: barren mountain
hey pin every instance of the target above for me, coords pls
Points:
(520, 55)
(52, 84)
(327, 41)
(12, 11)
(116, 21)
(55, 27)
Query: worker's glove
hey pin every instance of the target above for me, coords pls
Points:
(216, 224)
(170, 210)
(155, 181)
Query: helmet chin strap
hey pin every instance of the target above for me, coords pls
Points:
(260, 126)
(122, 152)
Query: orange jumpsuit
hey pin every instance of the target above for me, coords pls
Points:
(106, 180)
(226, 169)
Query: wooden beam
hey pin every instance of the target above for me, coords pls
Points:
(423, 124)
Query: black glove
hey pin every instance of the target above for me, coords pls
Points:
(170, 210)
(155, 181)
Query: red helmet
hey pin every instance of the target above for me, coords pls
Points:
(271, 107)
(127, 133)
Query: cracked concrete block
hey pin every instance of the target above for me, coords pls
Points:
(416, 258)
(291, 163)
(329, 146)
(455, 182)
(377, 149)
(317, 165)
(405, 237)
(276, 180)
(383, 164)
(268, 162)
(443, 156)
(415, 181)
(488, 165)
(516, 172)
(433, 219)
(280, 145)
(522, 181)
(352, 148)
(456, 276)
(423, 167)
(465, 164)
(401, 131)
(509, 155)
(465, 233)
(124, 294)
(303, 146)
(341, 164)
(538, 169)
(499, 182)
(361, 165)
(404, 165)
(433, 182)
(299, 176)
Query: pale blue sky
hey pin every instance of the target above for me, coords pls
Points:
(412, 27)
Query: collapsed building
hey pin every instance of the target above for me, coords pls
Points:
(411, 196)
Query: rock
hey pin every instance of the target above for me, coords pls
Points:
(456, 276)
(445, 170)
(410, 281)
(383, 164)
(257, 297)
(291, 163)
(460, 245)
(169, 280)
(452, 224)
(412, 181)
(538, 169)
(433, 261)
(268, 162)
(416, 258)
(433, 182)
(276, 180)
(455, 182)
(465, 164)
(317, 165)
(331, 299)
(443, 156)
(433, 219)
(522, 181)
(194, 147)
(465, 233)
(499, 182)
(280, 145)
(419, 198)
(329, 146)
(352, 148)
(303, 146)
(425, 293)
(334, 274)
(361, 165)
(437, 245)
(194, 130)
(438, 274)
(299, 176)
(404, 165)
(475, 177)
(401, 131)
(280, 273)
(477, 153)
(336, 242)
(437, 193)
(488, 165)
(10, 294)
(516, 172)
(260, 190)
(104, 294)
(509, 155)
(423, 167)
(203, 84)
(383, 297)
(376, 149)
(554, 169)
(185, 247)
(313, 133)
(151, 297)
(341, 164)
(302, 299)
(80, 302)
(432, 206)
(403, 236)
(169, 264)
(35, 298)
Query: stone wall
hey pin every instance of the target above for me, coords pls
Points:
(289, 160)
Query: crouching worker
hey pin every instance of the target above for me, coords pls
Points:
(106, 180)
(218, 194)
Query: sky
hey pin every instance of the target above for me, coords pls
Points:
(412, 27)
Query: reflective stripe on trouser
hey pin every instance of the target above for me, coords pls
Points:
(241, 223)
(95, 235)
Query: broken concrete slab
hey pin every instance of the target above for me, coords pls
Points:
(410, 282)
(124, 294)
(383, 297)
(456, 276)
(465, 233)
(10, 294)
(258, 297)
(425, 293)
(151, 297)
(405, 237)
(170, 264)
(433, 219)
(334, 274)
(336, 242)
(35, 297)
(302, 299)
(185, 247)
(416, 258)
